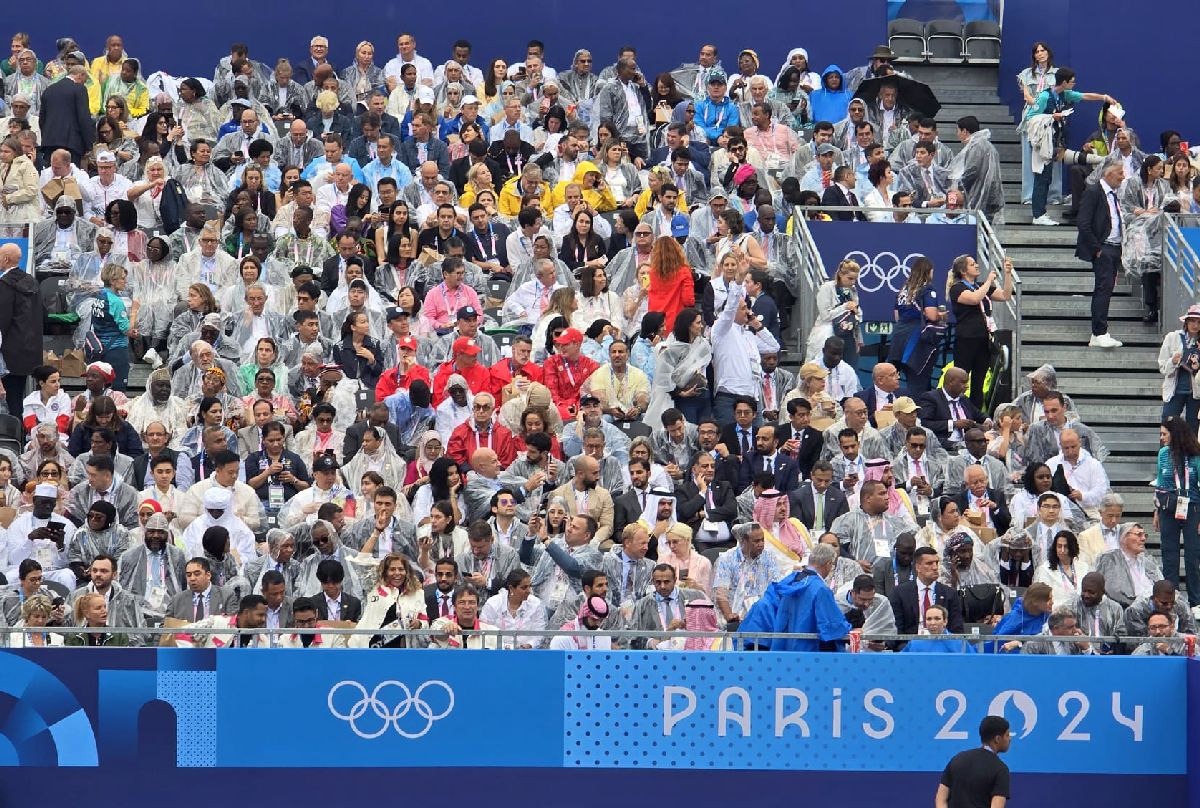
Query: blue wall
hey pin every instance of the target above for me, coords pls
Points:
(666, 34)
(1099, 39)
(707, 726)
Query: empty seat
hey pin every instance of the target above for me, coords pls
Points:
(906, 38)
(944, 41)
(981, 42)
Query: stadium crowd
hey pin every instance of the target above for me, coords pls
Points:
(449, 348)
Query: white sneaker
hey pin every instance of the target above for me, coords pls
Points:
(1045, 221)
(1026, 201)
(1104, 341)
(1196, 612)
(152, 358)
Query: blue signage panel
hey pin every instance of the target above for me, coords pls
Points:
(872, 712)
(885, 252)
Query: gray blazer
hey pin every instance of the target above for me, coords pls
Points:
(220, 601)
(1118, 584)
(648, 617)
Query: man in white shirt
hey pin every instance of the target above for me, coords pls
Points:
(1085, 474)
(64, 178)
(336, 192)
(842, 380)
(106, 187)
(461, 53)
(406, 45)
(738, 343)
(525, 306)
(564, 214)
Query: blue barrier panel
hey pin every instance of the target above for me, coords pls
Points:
(1192, 236)
(885, 251)
(26, 253)
(810, 712)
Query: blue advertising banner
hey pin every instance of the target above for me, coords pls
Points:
(810, 712)
(885, 252)
(1192, 236)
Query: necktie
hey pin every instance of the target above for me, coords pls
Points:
(768, 392)
(891, 398)
(852, 197)
(1117, 208)
(925, 604)
(917, 469)
(445, 612)
(666, 611)
(643, 500)
(956, 409)
(629, 583)
(928, 181)
(156, 567)
(745, 441)
(101, 495)
(199, 608)
(824, 179)
(819, 520)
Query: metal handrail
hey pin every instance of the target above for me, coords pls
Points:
(812, 275)
(990, 254)
(1180, 272)
(738, 639)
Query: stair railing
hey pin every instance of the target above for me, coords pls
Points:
(1180, 271)
(812, 275)
(989, 254)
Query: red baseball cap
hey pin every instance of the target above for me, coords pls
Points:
(409, 342)
(466, 345)
(569, 336)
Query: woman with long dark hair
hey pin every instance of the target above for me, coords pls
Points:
(359, 354)
(128, 241)
(972, 300)
(582, 246)
(680, 373)
(445, 483)
(916, 336)
(1177, 502)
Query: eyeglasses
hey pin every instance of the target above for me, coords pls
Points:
(481, 407)
(51, 475)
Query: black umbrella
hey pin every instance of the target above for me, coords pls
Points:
(909, 93)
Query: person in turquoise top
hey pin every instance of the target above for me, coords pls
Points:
(1179, 479)
(1056, 101)
(110, 323)
(935, 623)
(717, 111)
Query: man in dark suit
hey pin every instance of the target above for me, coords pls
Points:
(698, 152)
(64, 117)
(628, 507)
(738, 437)
(377, 416)
(977, 496)
(947, 413)
(884, 390)
(333, 603)
(767, 457)
(476, 153)
(890, 572)
(1099, 242)
(694, 492)
(439, 595)
(424, 146)
(799, 439)
(763, 305)
(841, 195)
(804, 505)
(202, 597)
(910, 599)
(332, 269)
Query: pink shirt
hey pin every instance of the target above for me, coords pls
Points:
(441, 305)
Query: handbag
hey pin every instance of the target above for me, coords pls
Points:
(93, 348)
(981, 601)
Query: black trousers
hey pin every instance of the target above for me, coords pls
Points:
(1104, 269)
(974, 355)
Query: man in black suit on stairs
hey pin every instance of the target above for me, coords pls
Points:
(64, 117)
(1099, 243)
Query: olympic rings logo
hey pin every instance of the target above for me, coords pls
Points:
(886, 268)
(364, 724)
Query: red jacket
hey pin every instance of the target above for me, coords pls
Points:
(464, 440)
(673, 296)
(391, 380)
(478, 380)
(502, 375)
(565, 382)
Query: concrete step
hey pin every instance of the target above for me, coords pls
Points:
(989, 115)
(971, 95)
(1126, 470)
(1017, 214)
(1076, 334)
(1105, 411)
(955, 76)
(1001, 133)
(1068, 284)
(1024, 234)
(1064, 356)
(1141, 385)
(1130, 440)
(1056, 258)
(1056, 308)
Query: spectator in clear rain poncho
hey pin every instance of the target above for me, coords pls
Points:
(976, 169)
(1144, 204)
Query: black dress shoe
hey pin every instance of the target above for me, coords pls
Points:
(1150, 317)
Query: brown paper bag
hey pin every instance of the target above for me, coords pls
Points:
(168, 640)
(884, 418)
(662, 114)
(986, 534)
(7, 514)
(72, 363)
(51, 358)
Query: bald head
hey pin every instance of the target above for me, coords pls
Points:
(1069, 442)
(886, 377)
(10, 256)
(485, 462)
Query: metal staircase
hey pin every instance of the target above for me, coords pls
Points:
(1116, 392)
